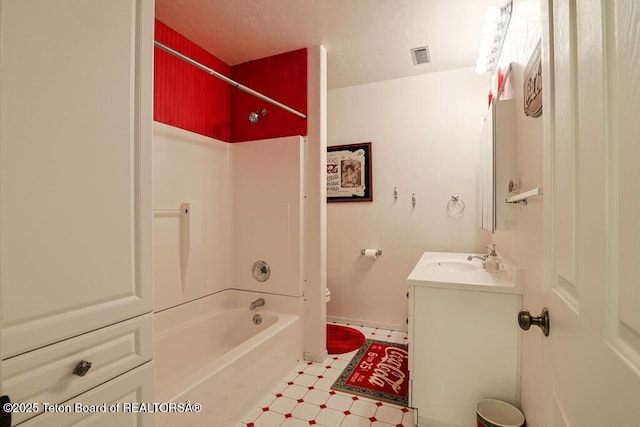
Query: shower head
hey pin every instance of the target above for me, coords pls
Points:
(255, 115)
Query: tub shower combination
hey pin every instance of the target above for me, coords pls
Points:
(227, 327)
(214, 352)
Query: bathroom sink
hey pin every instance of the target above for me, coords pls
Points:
(454, 270)
(455, 265)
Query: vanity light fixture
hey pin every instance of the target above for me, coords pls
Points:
(494, 30)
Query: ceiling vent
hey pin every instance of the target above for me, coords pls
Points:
(421, 55)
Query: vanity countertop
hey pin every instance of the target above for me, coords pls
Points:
(450, 270)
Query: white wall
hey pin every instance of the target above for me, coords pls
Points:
(268, 213)
(524, 244)
(245, 204)
(188, 167)
(425, 134)
(315, 244)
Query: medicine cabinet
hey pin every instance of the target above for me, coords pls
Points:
(497, 166)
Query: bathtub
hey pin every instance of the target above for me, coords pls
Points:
(211, 352)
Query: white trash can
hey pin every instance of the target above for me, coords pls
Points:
(496, 413)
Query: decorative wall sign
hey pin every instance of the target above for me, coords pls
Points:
(349, 176)
(533, 84)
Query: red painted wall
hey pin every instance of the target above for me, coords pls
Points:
(191, 99)
(281, 77)
(185, 96)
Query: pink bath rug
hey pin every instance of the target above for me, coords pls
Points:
(343, 339)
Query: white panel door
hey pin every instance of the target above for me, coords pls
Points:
(75, 138)
(592, 201)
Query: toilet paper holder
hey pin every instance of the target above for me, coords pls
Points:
(378, 252)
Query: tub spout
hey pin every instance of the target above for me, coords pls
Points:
(257, 303)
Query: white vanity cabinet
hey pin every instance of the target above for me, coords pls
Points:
(464, 341)
(75, 194)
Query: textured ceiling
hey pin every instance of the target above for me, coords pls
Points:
(366, 40)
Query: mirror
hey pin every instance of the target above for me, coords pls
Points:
(497, 166)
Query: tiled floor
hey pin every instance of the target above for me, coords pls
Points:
(305, 397)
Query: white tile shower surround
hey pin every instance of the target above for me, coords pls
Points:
(304, 397)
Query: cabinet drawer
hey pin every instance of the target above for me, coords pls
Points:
(134, 386)
(46, 375)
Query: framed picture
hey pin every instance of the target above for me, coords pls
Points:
(349, 176)
(532, 85)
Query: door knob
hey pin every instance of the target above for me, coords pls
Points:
(525, 320)
(82, 368)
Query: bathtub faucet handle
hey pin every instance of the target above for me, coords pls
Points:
(257, 303)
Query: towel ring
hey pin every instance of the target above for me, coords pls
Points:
(455, 206)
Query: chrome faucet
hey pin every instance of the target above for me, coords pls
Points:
(482, 258)
(257, 303)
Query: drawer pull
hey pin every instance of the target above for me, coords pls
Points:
(82, 368)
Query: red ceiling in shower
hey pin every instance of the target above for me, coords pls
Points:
(191, 99)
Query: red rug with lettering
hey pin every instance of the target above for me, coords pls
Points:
(343, 339)
(379, 370)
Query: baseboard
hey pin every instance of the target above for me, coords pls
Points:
(359, 322)
(428, 422)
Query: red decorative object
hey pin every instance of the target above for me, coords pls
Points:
(500, 79)
(342, 339)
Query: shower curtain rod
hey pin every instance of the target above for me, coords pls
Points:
(228, 80)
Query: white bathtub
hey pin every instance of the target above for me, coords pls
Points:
(209, 351)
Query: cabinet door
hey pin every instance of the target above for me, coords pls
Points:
(464, 347)
(75, 137)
